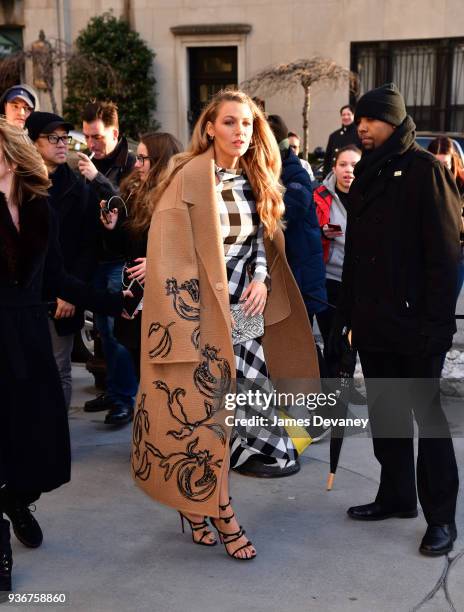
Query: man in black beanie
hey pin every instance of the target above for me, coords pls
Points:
(398, 300)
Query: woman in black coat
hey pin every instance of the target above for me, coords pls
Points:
(34, 435)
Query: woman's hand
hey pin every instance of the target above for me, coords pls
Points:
(64, 310)
(108, 218)
(138, 272)
(254, 298)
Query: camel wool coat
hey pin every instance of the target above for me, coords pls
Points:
(180, 440)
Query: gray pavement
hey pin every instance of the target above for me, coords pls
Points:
(112, 549)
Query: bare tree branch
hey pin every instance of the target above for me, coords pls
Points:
(286, 78)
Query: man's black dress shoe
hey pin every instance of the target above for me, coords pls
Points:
(101, 402)
(377, 512)
(119, 415)
(256, 467)
(6, 559)
(25, 527)
(438, 539)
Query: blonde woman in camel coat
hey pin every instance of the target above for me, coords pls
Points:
(180, 451)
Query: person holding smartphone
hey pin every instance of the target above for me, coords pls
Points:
(112, 161)
(127, 215)
(331, 200)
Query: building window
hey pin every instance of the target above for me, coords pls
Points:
(430, 75)
(210, 70)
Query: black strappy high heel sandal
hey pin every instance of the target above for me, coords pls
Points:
(228, 538)
(197, 527)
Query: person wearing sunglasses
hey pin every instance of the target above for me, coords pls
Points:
(71, 198)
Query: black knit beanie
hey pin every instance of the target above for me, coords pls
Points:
(384, 103)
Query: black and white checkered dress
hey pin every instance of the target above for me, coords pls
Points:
(245, 257)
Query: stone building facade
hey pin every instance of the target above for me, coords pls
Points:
(201, 45)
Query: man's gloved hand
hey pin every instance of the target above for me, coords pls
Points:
(337, 337)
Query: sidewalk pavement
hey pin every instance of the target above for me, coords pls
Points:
(112, 549)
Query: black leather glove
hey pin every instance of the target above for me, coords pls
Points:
(337, 337)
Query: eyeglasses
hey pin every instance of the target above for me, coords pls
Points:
(55, 139)
(141, 158)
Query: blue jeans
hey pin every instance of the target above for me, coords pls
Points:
(121, 381)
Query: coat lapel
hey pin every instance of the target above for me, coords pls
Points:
(199, 193)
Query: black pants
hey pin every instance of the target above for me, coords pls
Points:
(391, 409)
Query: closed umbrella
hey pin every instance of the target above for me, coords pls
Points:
(347, 365)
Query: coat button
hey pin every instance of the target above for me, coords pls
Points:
(356, 259)
(219, 286)
(373, 259)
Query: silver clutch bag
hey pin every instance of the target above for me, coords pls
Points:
(246, 328)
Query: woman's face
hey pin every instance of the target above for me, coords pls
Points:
(446, 159)
(344, 167)
(232, 132)
(142, 161)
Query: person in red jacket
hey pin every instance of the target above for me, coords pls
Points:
(331, 209)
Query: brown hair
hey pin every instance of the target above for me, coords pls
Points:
(106, 111)
(444, 146)
(350, 147)
(30, 177)
(261, 162)
(161, 146)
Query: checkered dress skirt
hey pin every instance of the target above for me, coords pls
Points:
(245, 257)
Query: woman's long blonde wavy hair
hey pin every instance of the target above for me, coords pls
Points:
(261, 162)
(30, 177)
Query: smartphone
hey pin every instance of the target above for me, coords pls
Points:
(132, 303)
(52, 306)
(334, 227)
(105, 213)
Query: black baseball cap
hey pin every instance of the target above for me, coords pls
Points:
(44, 123)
